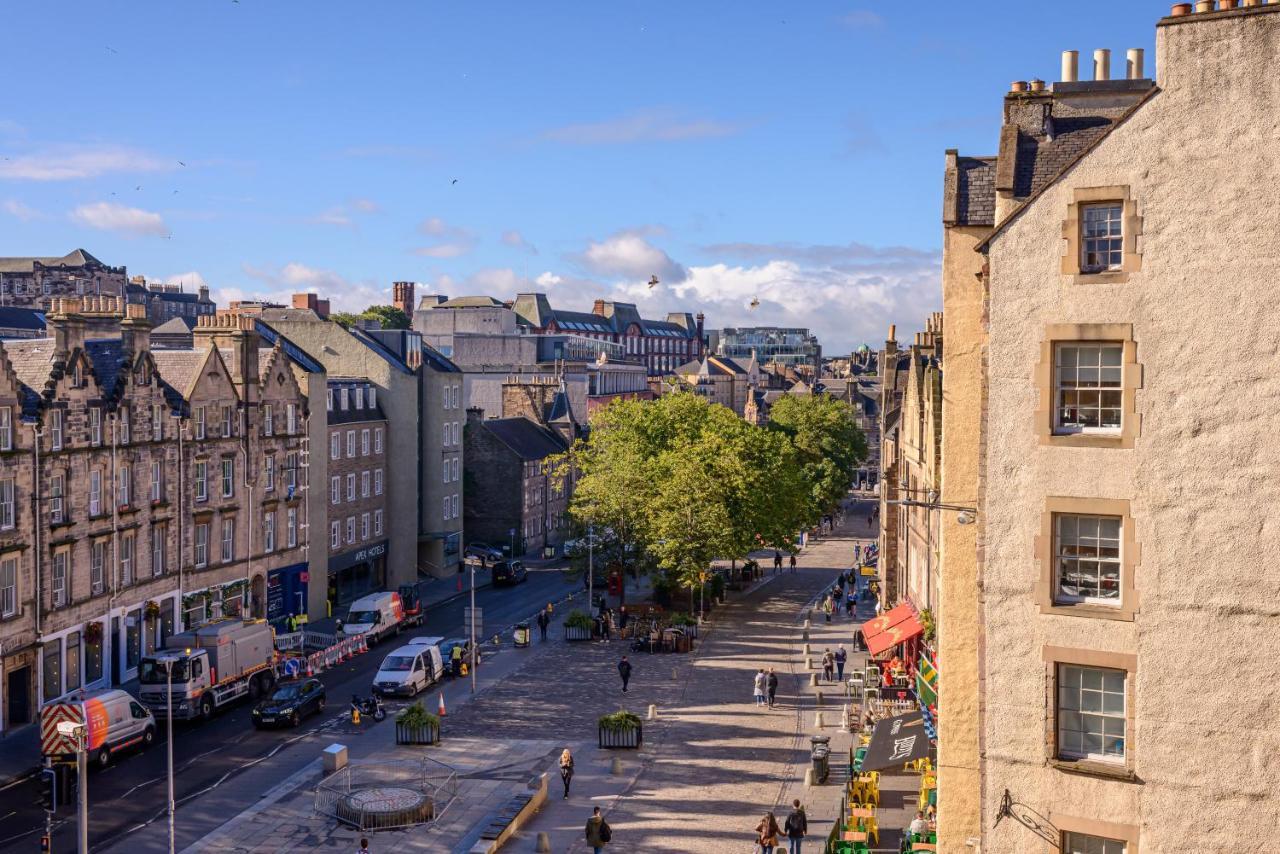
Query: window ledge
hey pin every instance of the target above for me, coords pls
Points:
(1088, 440)
(1110, 277)
(1088, 610)
(1091, 768)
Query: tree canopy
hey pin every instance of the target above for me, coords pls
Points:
(828, 445)
(388, 315)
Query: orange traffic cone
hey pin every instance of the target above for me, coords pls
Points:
(441, 712)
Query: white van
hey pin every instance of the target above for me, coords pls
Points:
(113, 719)
(412, 668)
(375, 616)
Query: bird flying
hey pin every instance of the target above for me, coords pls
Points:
(653, 282)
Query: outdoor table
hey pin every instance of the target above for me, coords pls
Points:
(924, 846)
(853, 836)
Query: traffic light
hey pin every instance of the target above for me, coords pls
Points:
(49, 789)
(44, 844)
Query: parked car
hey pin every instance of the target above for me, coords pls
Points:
(446, 651)
(509, 572)
(290, 703)
(412, 668)
(482, 553)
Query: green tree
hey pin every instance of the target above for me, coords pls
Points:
(388, 315)
(828, 444)
(345, 319)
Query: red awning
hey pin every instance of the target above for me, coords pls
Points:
(885, 621)
(894, 635)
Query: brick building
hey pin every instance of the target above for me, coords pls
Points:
(36, 282)
(358, 510)
(140, 492)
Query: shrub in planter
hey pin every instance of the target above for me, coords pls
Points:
(578, 626)
(415, 725)
(621, 729)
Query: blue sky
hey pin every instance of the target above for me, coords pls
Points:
(790, 152)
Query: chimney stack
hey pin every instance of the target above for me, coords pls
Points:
(1102, 64)
(67, 324)
(1134, 63)
(1070, 66)
(135, 330)
(239, 334)
(598, 308)
(402, 297)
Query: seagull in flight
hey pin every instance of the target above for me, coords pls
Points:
(110, 49)
(180, 163)
(653, 282)
(454, 181)
(755, 302)
(139, 187)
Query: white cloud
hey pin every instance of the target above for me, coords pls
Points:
(516, 240)
(447, 241)
(20, 210)
(344, 216)
(190, 281)
(629, 254)
(642, 126)
(109, 216)
(70, 162)
(295, 277)
(365, 205)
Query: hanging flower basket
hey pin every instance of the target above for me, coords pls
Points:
(93, 633)
(151, 611)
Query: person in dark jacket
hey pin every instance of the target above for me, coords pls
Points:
(544, 620)
(624, 670)
(777, 561)
(771, 684)
(793, 563)
(796, 826)
(566, 770)
(598, 831)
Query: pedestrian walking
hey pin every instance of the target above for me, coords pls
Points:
(857, 552)
(364, 846)
(796, 826)
(777, 561)
(767, 832)
(544, 620)
(827, 607)
(606, 627)
(772, 685)
(850, 602)
(758, 693)
(566, 770)
(624, 670)
(599, 834)
(828, 665)
(793, 562)
(841, 658)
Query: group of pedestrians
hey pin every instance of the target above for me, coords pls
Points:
(766, 688)
(598, 833)
(777, 561)
(833, 664)
(768, 833)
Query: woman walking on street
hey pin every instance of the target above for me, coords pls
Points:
(793, 561)
(566, 770)
(767, 832)
(759, 688)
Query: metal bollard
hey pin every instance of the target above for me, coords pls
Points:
(813, 679)
(817, 699)
(544, 843)
(653, 712)
(818, 721)
(615, 767)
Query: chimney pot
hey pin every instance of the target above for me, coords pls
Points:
(1036, 84)
(1180, 9)
(1223, 5)
(1070, 66)
(1134, 63)
(1204, 6)
(1018, 86)
(1102, 64)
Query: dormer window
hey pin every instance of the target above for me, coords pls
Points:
(343, 398)
(359, 398)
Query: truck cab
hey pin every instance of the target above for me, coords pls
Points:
(207, 668)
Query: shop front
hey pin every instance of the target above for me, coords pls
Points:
(19, 689)
(231, 599)
(287, 594)
(354, 573)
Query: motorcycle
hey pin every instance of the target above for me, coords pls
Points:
(371, 707)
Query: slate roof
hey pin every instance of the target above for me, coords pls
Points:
(437, 360)
(21, 318)
(74, 258)
(467, 302)
(175, 326)
(32, 361)
(178, 367)
(1042, 158)
(528, 439)
(975, 189)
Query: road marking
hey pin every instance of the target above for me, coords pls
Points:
(19, 781)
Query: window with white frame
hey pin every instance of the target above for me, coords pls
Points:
(364, 442)
(55, 429)
(8, 504)
(351, 444)
(351, 529)
(6, 428)
(226, 420)
(97, 566)
(343, 398)
(59, 593)
(445, 439)
(1101, 237)
(228, 477)
(364, 526)
(202, 480)
(335, 445)
(57, 488)
(1088, 387)
(269, 532)
(328, 400)
(8, 586)
(1083, 843)
(268, 420)
(373, 397)
(447, 505)
(457, 468)
(123, 483)
(377, 481)
(1087, 558)
(123, 431)
(377, 440)
(291, 418)
(456, 505)
(199, 429)
(1091, 713)
(157, 480)
(377, 523)
(358, 395)
(228, 540)
(351, 487)
(95, 426)
(202, 545)
(157, 549)
(335, 535)
(456, 434)
(364, 484)
(126, 558)
(269, 473)
(446, 471)
(335, 489)
(291, 527)
(291, 471)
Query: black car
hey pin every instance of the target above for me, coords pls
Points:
(509, 572)
(290, 703)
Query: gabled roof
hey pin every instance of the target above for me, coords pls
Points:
(180, 367)
(969, 193)
(180, 325)
(32, 363)
(12, 317)
(527, 439)
(74, 258)
(300, 357)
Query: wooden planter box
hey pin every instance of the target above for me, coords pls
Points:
(428, 734)
(576, 633)
(621, 739)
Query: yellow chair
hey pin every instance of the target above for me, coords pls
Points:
(873, 794)
(929, 780)
(869, 825)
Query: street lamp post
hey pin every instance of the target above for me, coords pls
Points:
(80, 734)
(168, 661)
(591, 568)
(473, 628)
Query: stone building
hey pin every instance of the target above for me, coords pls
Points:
(783, 345)
(135, 496)
(165, 301)
(895, 366)
(36, 282)
(725, 381)
(1119, 451)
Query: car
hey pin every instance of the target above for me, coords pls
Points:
(509, 572)
(412, 668)
(290, 703)
(482, 553)
(446, 651)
